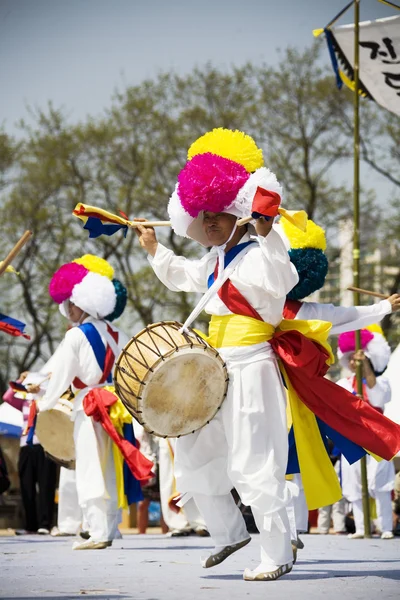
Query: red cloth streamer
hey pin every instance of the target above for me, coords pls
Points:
(305, 365)
(266, 203)
(14, 331)
(96, 404)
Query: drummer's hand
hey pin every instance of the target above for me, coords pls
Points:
(147, 237)
(263, 225)
(394, 300)
(33, 388)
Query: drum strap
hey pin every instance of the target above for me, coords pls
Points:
(105, 356)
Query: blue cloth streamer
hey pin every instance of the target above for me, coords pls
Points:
(96, 228)
(351, 451)
(31, 433)
(335, 66)
(132, 487)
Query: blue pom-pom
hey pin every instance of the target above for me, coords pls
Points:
(312, 267)
(122, 296)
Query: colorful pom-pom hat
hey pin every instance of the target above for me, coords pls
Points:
(88, 283)
(374, 344)
(222, 174)
(307, 253)
(100, 265)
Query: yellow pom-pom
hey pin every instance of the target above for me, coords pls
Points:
(96, 265)
(375, 328)
(312, 237)
(234, 145)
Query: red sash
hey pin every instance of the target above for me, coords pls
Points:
(96, 404)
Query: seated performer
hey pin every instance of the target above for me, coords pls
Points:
(246, 445)
(84, 361)
(374, 357)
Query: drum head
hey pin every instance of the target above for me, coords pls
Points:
(183, 393)
(55, 432)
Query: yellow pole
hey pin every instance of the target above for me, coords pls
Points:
(356, 246)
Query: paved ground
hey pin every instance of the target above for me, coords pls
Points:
(153, 567)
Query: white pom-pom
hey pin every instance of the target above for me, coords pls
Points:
(95, 295)
(180, 219)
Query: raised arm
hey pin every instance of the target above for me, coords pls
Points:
(346, 318)
(177, 273)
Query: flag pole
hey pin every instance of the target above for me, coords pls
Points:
(356, 246)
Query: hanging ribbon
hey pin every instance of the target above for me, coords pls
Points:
(96, 404)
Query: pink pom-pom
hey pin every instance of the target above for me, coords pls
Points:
(64, 280)
(210, 182)
(347, 341)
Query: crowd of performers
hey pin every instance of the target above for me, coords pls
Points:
(269, 440)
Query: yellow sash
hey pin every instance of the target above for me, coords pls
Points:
(321, 485)
(119, 416)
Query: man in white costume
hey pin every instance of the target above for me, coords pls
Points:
(374, 357)
(84, 361)
(245, 446)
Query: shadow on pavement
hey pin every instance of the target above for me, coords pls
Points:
(298, 575)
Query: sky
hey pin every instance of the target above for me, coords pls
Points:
(76, 53)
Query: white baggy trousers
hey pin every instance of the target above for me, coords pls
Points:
(69, 518)
(244, 446)
(95, 478)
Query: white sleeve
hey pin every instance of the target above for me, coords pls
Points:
(278, 275)
(381, 393)
(177, 273)
(345, 318)
(64, 369)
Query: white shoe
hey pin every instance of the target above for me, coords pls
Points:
(356, 536)
(387, 535)
(43, 531)
(257, 575)
(90, 545)
(220, 555)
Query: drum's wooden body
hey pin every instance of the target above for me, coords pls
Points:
(55, 432)
(173, 383)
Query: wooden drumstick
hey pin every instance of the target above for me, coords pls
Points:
(368, 292)
(134, 224)
(13, 253)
